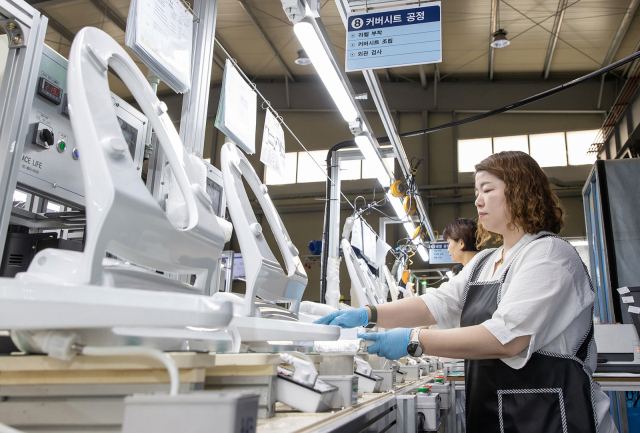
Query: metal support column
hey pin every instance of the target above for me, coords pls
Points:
(18, 84)
(195, 103)
(334, 207)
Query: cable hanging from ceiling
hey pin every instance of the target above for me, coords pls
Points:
(522, 102)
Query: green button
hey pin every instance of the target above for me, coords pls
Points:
(62, 145)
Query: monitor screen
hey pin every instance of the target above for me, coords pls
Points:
(215, 192)
(238, 267)
(130, 135)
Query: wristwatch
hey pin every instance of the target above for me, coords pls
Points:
(414, 347)
(373, 320)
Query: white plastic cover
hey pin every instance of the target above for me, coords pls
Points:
(332, 294)
(316, 308)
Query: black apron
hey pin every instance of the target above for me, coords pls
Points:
(551, 393)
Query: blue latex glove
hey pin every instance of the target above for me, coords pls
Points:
(391, 344)
(351, 318)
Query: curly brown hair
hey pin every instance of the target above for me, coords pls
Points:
(532, 204)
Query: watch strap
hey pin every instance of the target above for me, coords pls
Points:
(374, 314)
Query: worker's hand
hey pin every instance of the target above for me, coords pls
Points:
(351, 318)
(391, 344)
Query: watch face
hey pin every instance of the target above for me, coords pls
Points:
(411, 348)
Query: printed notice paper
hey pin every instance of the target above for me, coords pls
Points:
(272, 153)
(160, 33)
(237, 110)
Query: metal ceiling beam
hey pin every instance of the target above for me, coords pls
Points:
(116, 19)
(256, 24)
(631, 66)
(493, 27)
(46, 3)
(622, 31)
(423, 76)
(557, 23)
(617, 40)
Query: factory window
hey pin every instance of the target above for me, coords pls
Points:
(549, 150)
(351, 169)
(516, 142)
(312, 166)
(368, 172)
(290, 169)
(301, 167)
(471, 152)
(578, 143)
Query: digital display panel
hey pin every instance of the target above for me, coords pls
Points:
(215, 192)
(130, 135)
(49, 91)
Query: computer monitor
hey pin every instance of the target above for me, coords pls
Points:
(238, 267)
(215, 189)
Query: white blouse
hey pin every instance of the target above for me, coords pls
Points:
(546, 295)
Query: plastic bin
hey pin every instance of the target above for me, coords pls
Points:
(388, 379)
(229, 412)
(368, 384)
(413, 372)
(347, 394)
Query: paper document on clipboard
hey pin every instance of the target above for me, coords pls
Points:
(160, 33)
(237, 110)
(272, 153)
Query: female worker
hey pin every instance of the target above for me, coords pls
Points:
(461, 237)
(521, 315)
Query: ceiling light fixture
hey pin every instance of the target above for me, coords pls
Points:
(500, 39)
(368, 149)
(303, 59)
(314, 48)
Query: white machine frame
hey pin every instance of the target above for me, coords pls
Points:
(362, 284)
(264, 275)
(64, 289)
(20, 76)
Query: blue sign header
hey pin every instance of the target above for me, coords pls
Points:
(394, 37)
(401, 17)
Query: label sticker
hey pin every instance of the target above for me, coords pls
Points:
(634, 310)
(623, 290)
(627, 300)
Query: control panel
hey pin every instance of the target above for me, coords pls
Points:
(50, 165)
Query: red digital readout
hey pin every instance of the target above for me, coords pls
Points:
(48, 87)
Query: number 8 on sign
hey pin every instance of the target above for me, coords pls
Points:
(357, 23)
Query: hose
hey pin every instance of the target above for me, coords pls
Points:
(324, 257)
(156, 354)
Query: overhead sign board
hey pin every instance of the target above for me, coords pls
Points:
(394, 37)
(438, 253)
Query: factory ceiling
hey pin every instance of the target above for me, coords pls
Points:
(590, 33)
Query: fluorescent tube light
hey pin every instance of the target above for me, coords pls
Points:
(410, 228)
(320, 58)
(366, 146)
(424, 254)
(397, 207)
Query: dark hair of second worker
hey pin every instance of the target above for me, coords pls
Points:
(462, 229)
(528, 195)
